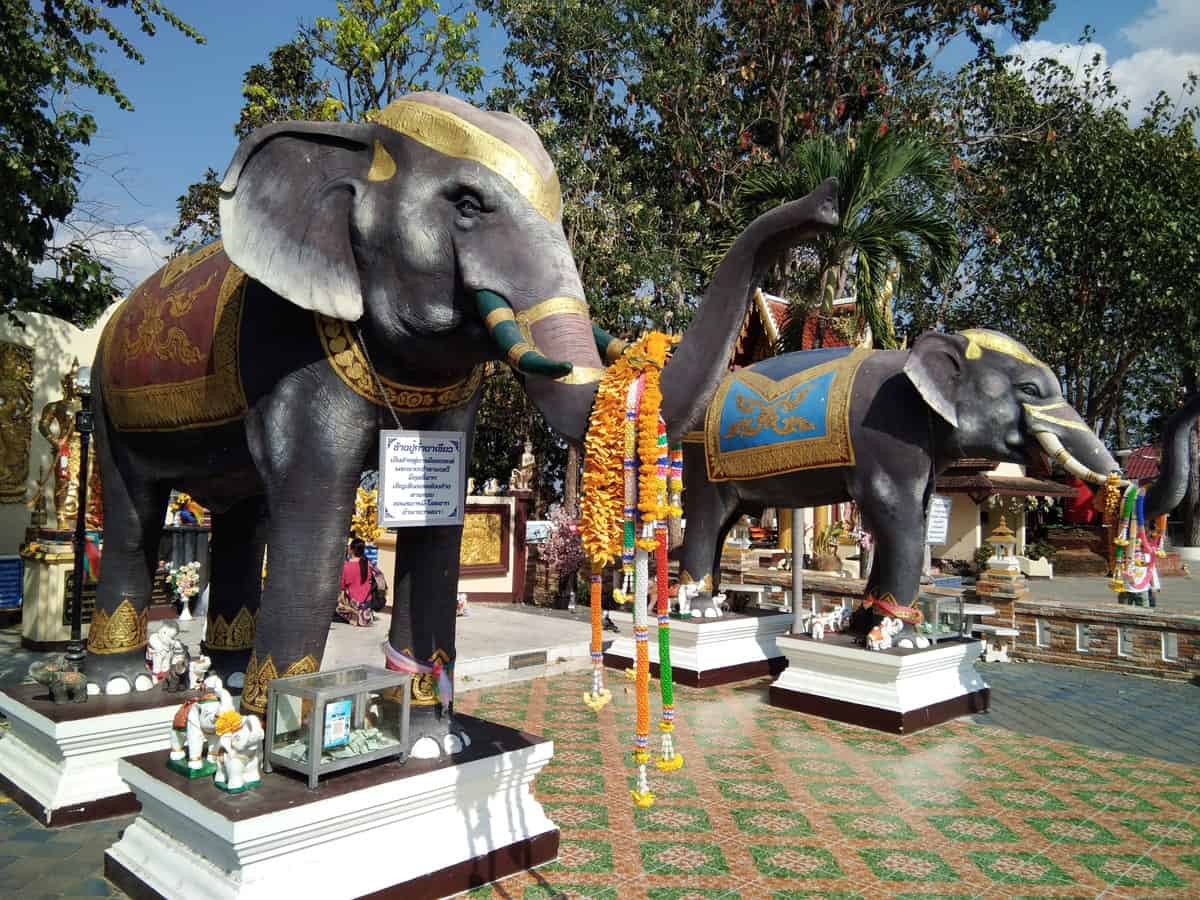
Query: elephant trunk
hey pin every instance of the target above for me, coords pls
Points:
(1173, 469)
(700, 361)
(550, 344)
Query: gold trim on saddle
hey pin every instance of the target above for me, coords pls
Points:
(122, 630)
(196, 402)
(453, 136)
(344, 354)
(789, 454)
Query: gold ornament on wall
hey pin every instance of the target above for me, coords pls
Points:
(16, 414)
(365, 522)
(481, 540)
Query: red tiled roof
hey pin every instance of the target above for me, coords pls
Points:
(1142, 462)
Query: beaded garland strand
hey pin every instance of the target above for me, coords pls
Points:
(624, 510)
(1135, 547)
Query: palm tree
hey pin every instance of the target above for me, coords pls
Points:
(893, 230)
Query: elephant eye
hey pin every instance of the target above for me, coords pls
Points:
(1029, 389)
(468, 206)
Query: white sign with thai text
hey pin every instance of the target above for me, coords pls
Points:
(938, 527)
(421, 477)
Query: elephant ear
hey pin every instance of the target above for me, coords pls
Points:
(286, 204)
(934, 366)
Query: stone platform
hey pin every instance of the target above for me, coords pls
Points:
(59, 761)
(420, 829)
(708, 652)
(897, 690)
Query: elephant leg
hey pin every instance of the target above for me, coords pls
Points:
(710, 509)
(895, 516)
(311, 471)
(235, 589)
(424, 610)
(134, 509)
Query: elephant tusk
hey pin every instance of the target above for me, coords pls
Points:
(610, 347)
(1053, 446)
(501, 323)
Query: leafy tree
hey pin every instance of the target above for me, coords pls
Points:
(344, 68)
(892, 228)
(42, 58)
(286, 87)
(1083, 231)
(377, 50)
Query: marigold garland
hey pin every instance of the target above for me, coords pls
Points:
(619, 496)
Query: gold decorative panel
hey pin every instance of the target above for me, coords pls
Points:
(485, 541)
(16, 419)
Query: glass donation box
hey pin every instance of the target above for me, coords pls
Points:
(320, 723)
(943, 614)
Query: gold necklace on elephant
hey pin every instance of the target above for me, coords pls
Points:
(347, 356)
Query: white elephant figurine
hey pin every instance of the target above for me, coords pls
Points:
(240, 754)
(194, 742)
(686, 593)
(198, 670)
(880, 637)
(158, 650)
(817, 628)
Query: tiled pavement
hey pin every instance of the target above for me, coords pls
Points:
(1127, 713)
(772, 804)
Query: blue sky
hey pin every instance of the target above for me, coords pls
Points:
(187, 97)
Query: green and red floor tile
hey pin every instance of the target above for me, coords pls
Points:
(777, 805)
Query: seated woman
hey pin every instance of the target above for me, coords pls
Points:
(354, 604)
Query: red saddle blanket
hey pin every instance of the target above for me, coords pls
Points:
(170, 350)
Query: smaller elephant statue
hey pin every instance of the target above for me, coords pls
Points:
(194, 743)
(159, 649)
(880, 637)
(69, 687)
(240, 739)
(198, 671)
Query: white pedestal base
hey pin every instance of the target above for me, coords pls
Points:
(893, 690)
(61, 761)
(425, 829)
(707, 652)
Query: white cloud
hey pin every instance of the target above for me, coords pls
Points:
(134, 253)
(1139, 77)
(1168, 25)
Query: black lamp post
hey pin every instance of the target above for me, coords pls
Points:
(84, 426)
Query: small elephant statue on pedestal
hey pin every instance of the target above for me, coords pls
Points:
(880, 637)
(198, 670)
(194, 743)
(64, 683)
(238, 759)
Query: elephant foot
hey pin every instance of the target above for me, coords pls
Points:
(706, 606)
(229, 665)
(117, 673)
(435, 734)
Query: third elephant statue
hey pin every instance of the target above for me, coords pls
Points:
(876, 427)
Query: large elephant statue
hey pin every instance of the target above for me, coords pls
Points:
(366, 276)
(876, 427)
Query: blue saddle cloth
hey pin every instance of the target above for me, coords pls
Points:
(784, 414)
